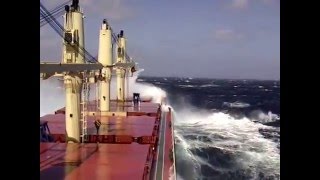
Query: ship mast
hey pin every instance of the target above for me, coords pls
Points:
(76, 69)
(105, 58)
(121, 49)
(73, 39)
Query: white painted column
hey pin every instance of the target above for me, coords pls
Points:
(105, 58)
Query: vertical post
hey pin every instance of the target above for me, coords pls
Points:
(73, 39)
(121, 72)
(105, 58)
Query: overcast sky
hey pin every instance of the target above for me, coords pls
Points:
(187, 38)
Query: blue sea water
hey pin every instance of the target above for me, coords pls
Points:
(216, 140)
(215, 137)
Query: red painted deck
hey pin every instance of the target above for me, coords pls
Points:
(105, 161)
(112, 125)
(92, 161)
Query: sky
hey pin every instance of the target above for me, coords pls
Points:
(219, 39)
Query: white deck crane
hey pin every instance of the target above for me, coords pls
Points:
(75, 67)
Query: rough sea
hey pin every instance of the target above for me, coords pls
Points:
(217, 138)
(224, 129)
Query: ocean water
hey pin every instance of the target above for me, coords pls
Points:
(215, 140)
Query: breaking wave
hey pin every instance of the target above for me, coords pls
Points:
(209, 145)
(216, 145)
(52, 93)
(222, 147)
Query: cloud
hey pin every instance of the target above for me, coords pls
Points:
(115, 10)
(270, 1)
(239, 4)
(243, 4)
(227, 35)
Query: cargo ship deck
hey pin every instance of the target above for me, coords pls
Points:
(132, 142)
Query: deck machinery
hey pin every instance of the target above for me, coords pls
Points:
(129, 137)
